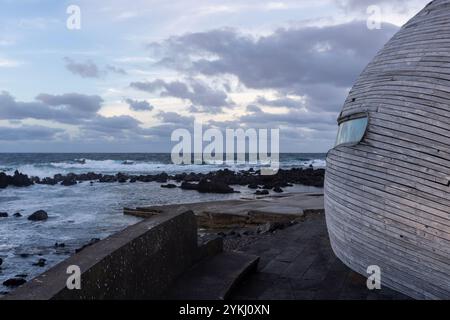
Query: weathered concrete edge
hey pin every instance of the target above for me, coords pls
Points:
(139, 262)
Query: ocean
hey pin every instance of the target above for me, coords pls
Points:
(82, 212)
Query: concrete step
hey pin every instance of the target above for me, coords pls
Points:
(213, 278)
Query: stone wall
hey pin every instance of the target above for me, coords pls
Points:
(140, 262)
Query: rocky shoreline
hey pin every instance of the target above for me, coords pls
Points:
(212, 182)
(220, 182)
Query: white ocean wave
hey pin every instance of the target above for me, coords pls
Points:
(43, 170)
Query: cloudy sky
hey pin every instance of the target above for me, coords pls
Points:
(137, 70)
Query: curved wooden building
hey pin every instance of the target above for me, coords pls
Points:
(387, 189)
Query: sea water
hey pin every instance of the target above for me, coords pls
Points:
(81, 212)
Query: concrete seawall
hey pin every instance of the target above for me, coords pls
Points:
(141, 262)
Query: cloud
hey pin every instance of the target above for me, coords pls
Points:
(9, 63)
(76, 102)
(253, 108)
(400, 6)
(309, 68)
(72, 109)
(175, 118)
(136, 105)
(302, 118)
(69, 108)
(86, 69)
(284, 59)
(205, 98)
(89, 69)
(28, 133)
(397, 12)
(281, 102)
(113, 69)
(111, 124)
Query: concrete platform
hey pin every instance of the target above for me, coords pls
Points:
(298, 263)
(243, 212)
(214, 277)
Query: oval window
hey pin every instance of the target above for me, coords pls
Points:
(351, 131)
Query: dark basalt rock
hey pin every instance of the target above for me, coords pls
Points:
(4, 215)
(107, 179)
(41, 263)
(17, 180)
(1, 261)
(90, 176)
(40, 215)
(271, 227)
(58, 177)
(121, 177)
(278, 190)
(189, 186)
(48, 181)
(17, 215)
(216, 181)
(4, 181)
(262, 192)
(20, 180)
(162, 177)
(14, 282)
(168, 186)
(207, 186)
(68, 182)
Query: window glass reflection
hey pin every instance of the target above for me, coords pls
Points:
(351, 131)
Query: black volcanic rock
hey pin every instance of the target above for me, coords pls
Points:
(67, 182)
(17, 215)
(121, 177)
(4, 181)
(41, 263)
(14, 282)
(162, 177)
(58, 177)
(168, 186)
(90, 176)
(215, 181)
(40, 215)
(1, 261)
(3, 214)
(278, 190)
(48, 181)
(262, 192)
(207, 186)
(20, 180)
(17, 180)
(189, 186)
(107, 179)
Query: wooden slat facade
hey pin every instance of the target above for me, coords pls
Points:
(387, 199)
